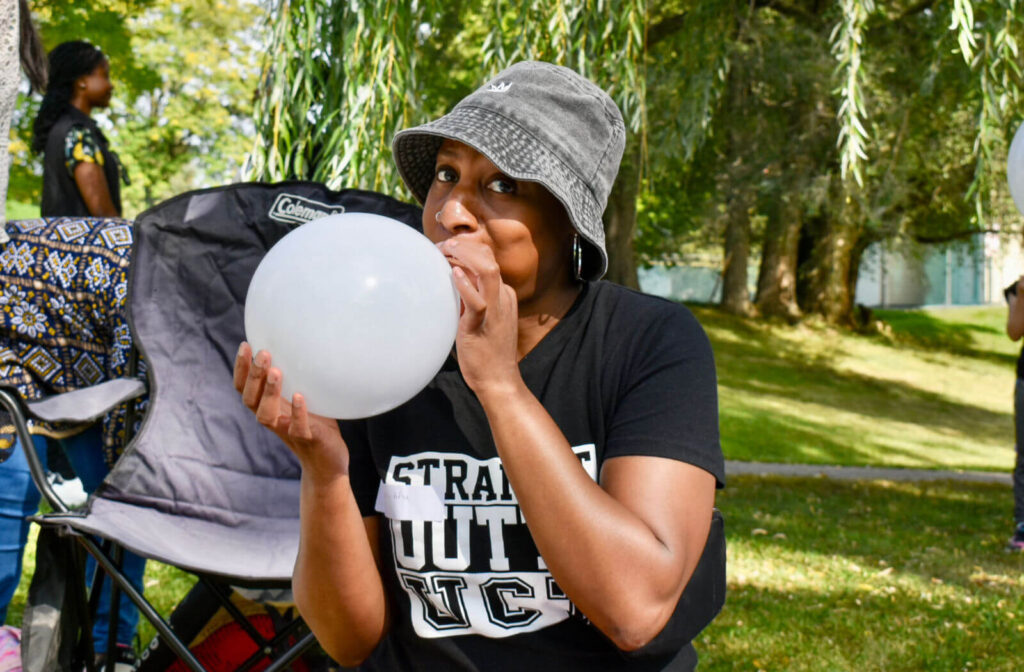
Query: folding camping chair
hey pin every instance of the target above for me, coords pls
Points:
(201, 486)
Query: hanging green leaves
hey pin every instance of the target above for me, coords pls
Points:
(847, 44)
(340, 76)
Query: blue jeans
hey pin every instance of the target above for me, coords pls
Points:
(19, 498)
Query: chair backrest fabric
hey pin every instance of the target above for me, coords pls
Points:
(199, 452)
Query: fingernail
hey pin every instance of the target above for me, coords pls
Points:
(271, 379)
(241, 349)
(458, 272)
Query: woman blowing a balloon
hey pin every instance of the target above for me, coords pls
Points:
(544, 502)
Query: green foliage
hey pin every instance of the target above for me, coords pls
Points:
(881, 120)
(183, 73)
(847, 42)
(765, 132)
(340, 78)
(106, 24)
(881, 115)
(999, 81)
(190, 128)
(603, 40)
(688, 60)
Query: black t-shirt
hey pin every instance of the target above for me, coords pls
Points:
(622, 373)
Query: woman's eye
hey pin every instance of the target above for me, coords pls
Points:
(445, 175)
(502, 185)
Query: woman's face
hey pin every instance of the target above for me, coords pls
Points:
(96, 85)
(522, 222)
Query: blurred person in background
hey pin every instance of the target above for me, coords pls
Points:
(81, 175)
(1015, 330)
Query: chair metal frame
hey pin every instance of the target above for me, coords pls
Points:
(109, 559)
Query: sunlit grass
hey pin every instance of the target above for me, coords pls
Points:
(164, 587)
(932, 389)
(19, 210)
(827, 575)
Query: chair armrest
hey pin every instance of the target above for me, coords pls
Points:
(88, 403)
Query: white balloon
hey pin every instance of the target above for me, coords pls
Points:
(1015, 168)
(357, 310)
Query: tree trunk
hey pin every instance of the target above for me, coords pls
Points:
(620, 218)
(735, 294)
(831, 276)
(776, 281)
(861, 314)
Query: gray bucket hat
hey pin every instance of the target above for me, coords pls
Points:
(536, 122)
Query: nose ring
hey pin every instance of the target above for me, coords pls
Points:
(437, 216)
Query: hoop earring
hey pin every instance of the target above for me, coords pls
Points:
(577, 257)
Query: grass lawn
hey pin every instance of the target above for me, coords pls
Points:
(832, 575)
(19, 210)
(932, 389)
(829, 575)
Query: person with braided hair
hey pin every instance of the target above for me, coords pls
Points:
(81, 175)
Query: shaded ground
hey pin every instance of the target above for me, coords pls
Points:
(850, 575)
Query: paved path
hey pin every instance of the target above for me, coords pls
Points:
(733, 468)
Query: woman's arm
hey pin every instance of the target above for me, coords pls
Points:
(622, 550)
(1015, 316)
(92, 185)
(336, 581)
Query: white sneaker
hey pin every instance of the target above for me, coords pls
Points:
(71, 492)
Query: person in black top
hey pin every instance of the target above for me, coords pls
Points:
(1015, 330)
(544, 502)
(81, 175)
(81, 178)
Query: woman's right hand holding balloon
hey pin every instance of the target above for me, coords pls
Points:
(314, 439)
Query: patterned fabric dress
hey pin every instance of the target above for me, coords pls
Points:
(63, 315)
